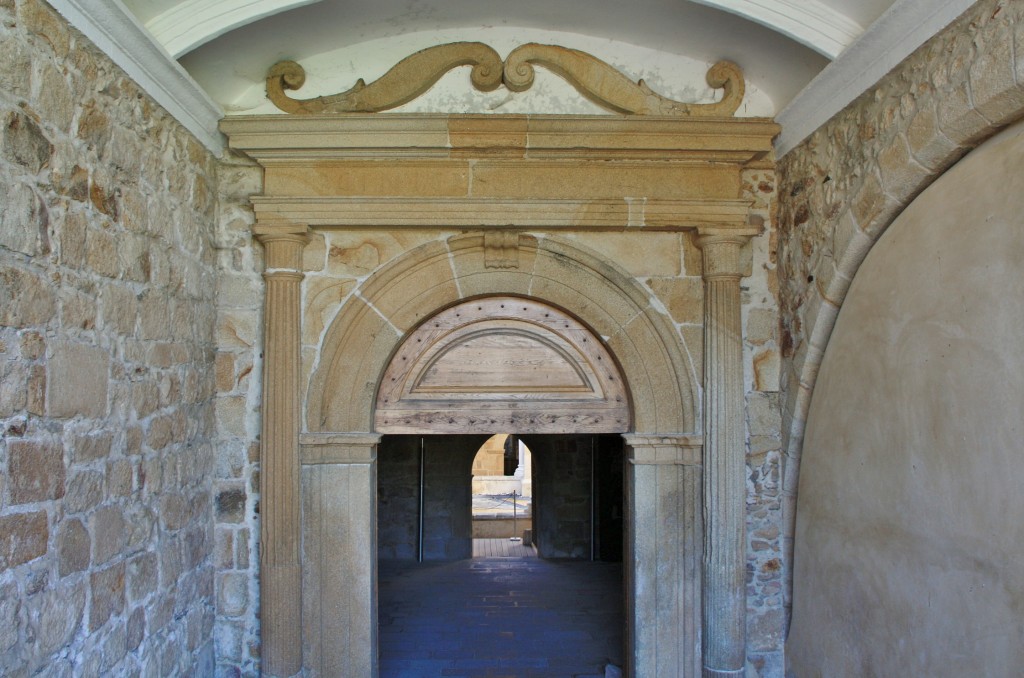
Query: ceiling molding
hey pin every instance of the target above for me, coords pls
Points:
(119, 35)
(192, 23)
(903, 28)
(809, 22)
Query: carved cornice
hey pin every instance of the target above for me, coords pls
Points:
(300, 138)
(593, 78)
(720, 216)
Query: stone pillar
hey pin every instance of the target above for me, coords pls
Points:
(280, 563)
(725, 603)
(663, 555)
(339, 527)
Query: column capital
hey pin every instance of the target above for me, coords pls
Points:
(721, 250)
(339, 448)
(664, 449)
(283, 243)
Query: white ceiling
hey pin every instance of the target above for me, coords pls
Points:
(803, 59)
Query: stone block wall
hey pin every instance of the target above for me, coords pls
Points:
(107, 280)
(238, 370)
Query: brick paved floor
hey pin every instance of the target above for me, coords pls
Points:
(500, 617)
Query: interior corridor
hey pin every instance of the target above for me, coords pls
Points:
(500, 616)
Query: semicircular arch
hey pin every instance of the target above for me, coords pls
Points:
(372, 324)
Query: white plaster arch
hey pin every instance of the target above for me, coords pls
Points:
(192, 23)
(809, 22)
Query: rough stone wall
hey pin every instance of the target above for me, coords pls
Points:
(238, 371)
(106, 352)
(844, 185)
(761, 368)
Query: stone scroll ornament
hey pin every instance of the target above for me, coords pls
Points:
(415, 74)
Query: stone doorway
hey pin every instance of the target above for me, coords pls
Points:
(552, 209)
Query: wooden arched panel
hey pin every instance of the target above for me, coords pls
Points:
(502, 364)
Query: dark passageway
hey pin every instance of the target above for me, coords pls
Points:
(506, 611)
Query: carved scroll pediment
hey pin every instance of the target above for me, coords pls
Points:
(594, 79)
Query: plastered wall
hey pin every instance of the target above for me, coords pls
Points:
(907, 554)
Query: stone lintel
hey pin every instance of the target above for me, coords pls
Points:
(653, 449)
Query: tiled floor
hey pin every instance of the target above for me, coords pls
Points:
(500, 617)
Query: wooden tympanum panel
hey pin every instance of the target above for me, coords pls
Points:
(502, 364)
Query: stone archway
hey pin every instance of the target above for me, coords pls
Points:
(664, 474)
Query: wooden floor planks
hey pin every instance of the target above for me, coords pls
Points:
(502, 548)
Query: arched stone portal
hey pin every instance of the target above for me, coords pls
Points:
(375, 335)
(505, 205)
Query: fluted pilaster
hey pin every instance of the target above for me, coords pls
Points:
(663, 575)
(724, 640)
(280, 522)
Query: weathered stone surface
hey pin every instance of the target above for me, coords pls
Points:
(87, 156)
(142, 576)
(10, 607)
(35, 471)
(84, 491)
(24, 142)
(107, 595)
(231, 505)
(55, 616)
(77, 375)
(41, 20)
(91, 447)
(73, 544)
(683, 297)
(232, 593)
(23, 537)
(108, 533)
(22, 220)
(25, 298)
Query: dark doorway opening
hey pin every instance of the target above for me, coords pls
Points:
(444, 613)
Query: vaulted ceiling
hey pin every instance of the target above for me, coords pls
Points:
(803, 59)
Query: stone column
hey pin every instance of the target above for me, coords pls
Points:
(280, 563)
(663, 555)
(725, 603)
(339, 527)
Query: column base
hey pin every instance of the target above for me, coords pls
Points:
(722, 673)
